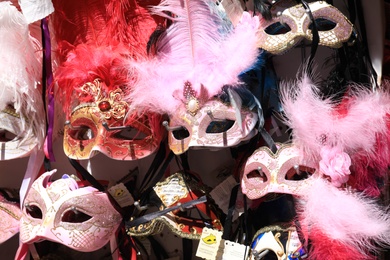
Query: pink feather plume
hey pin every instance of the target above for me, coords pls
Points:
(202, 47)
(359, 126)
(346, 219)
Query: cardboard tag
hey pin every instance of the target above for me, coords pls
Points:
(209, 243)
(234, 251)
(120, 193)
(221, 193)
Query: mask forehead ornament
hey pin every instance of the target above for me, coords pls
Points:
(110, 104)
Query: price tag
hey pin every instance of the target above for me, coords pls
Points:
(234, 251)
(209, 243)
(122, 195)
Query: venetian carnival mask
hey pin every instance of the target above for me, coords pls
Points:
(284, 172)
(179, 188)
(100, 123)
(293, 24)
(81, 218)
(190, 72)
(279, 241)
(22, 119)
(212, 124)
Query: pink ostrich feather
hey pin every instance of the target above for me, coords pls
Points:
(359, 126)
(350, 220)
(201, 47)
(317, 122)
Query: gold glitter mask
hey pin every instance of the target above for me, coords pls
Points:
(293, 24)
(98, 125)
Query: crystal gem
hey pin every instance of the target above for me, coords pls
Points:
(104, 106)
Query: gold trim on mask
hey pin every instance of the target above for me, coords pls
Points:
(111, 106)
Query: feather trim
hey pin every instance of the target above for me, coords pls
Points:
(323, 247)
(351, 220)
(201, 47)
(102, 23)
(20, 72)
(82, 67)
(355, 126)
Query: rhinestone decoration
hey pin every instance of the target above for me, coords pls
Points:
(111, 105)
(192, 103)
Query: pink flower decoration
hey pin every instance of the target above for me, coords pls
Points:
(335, 164)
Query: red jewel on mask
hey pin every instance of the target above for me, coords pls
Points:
(104, 106)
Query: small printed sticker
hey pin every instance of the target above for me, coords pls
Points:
(209, 243)
(121, 194)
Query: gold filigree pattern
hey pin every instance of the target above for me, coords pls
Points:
(111, 105)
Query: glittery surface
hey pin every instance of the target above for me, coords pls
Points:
(277, 171)
(197, 124)
(299, 21)
(54, 201)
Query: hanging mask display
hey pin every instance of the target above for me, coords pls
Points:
(22, 118)
(293, 24)
(326, 157)
(180, 188)
(189, 70)
(81, 218)
(94, 86)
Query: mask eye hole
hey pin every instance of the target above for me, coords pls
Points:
(255, 174)
(130, 133)
(181, 134)
(6, 136)
(75, 216)
(219, 126)
(299, 173)
(83, 133)
(323, 24)
(277, 28)
(34, 211)
(270, 256)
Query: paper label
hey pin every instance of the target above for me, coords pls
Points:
(172, 191)
(209, 243)
(121, 194)
(234, 251)
(221, 195)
